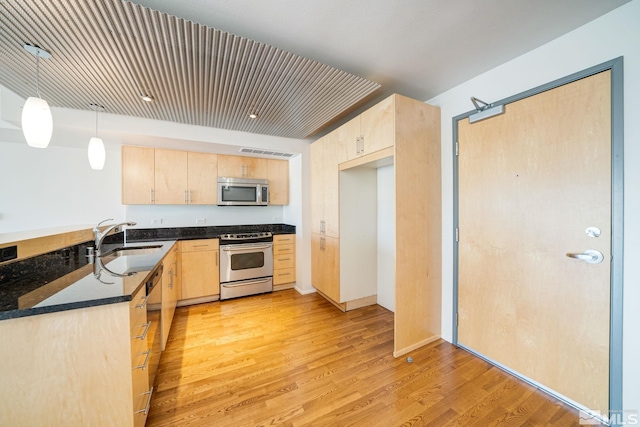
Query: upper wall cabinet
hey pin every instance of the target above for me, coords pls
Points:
(278, 176)
(371, 131)
(242, 167)
(168, 177)
(138, 175)
(173, 177)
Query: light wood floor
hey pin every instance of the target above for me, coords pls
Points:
(285, 359)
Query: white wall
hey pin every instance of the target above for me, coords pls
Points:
(386, 237)
(45, 188)
(613, 35)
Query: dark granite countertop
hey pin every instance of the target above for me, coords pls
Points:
(211, 232)
(65, 280)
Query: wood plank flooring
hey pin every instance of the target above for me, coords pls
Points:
(285, 359)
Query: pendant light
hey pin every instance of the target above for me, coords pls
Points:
(96, 151)
(37, 123)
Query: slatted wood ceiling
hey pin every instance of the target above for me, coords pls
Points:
(111, 52)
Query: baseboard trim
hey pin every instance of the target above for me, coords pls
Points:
(412, 347)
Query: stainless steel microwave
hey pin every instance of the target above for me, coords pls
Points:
(243, 192)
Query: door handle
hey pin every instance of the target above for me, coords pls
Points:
(590, 256)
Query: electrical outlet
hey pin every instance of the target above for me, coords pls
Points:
(156, 221)
(8, 253)
(277, 219)
(201, 220)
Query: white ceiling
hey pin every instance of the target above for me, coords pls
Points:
(418, 48)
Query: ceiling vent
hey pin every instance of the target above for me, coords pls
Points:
(266, 152)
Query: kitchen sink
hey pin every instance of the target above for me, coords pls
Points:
(133, 250)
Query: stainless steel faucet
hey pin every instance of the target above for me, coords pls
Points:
(100, 236)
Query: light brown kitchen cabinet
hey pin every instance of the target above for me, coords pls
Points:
(371, 131)
(242, 167)
(170, 291)
(278, 176)
(202, 172)
(284, 259)
(171, 177)
(168, 177)
(200, 270)
(138, 175)
(325, 186)
(405, 133)
(91, 357)
(325, 267)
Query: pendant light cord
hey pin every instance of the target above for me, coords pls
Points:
(38, 74)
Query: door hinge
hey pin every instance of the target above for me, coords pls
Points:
(457, 148)
(457, 234)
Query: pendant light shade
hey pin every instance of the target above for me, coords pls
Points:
(37, 123)
(96, 153)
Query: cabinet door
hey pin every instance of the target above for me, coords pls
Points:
(242, 167)
(169, 296)
(202, 176)
(317, 185)
(317, 262)
(278, 176)
(332, 268)
(331, 183)
(137, 175)
(377, 126)
(200, 274)
(349, 140)
(170, 177)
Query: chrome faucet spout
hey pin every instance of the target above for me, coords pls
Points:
(100, 236)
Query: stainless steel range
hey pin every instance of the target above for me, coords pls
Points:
(246, 264)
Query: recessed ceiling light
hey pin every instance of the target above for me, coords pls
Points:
(253, 116)
(147, 98)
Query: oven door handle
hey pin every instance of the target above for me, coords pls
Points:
(236, 248)
(253, 282)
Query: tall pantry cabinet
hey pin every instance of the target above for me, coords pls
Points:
(405, 133)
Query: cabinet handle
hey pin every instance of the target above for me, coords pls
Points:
(190, 196)
(185, 197)
(200, 246)
(361, 144)
(322, 225)
(171, 279)
(285, 274)
(151, 198)
(146, 360)
(285, 259)
(144, 302)
(146, 329)
(146, 408)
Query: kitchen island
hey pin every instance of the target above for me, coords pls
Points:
(74, 348)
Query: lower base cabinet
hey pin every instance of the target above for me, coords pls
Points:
(284, 259)
(75, 368)
(200, 270)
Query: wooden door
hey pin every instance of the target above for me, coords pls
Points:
(278, 176)
(200, 274)
(531, 183)
(377, 126)
(317, 262)
(171, 177)
(202, 176)
(137, 175)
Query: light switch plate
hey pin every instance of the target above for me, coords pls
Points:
(201, 221)
(156, 221)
